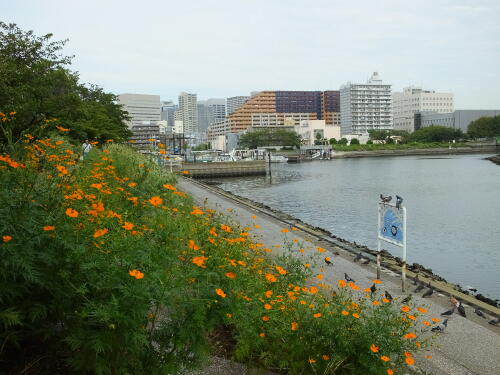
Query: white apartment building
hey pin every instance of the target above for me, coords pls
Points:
(365, 106)
(142, 109)
(309, 129)
(235, 102)
(415, 100)
(188, 112)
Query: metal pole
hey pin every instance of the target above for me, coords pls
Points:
(378, 244)
(403, 271)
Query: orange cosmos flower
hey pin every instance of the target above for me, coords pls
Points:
(132, 184)
(271, 278)
(265, 318)
(268, 293)
(200, 261)
(385, 358)
(60, 128)
(156, 201)
(409, 336)
(185, 172)
(62, 169)
(231, 275)
(405, 308)
(225, 228)
(317, 315)
(262, 334)
(71, 213)
(376, 281)
(313, 290)
(284, 230)
(48, 228)
(281, 270)
(319, 276)
(342, 283)
(169, 187)
(268, 306)
(294, 326)
(6, 238)
(136, 273)
(128, 226)
(410, 361)
(229, 315)
(374, 348)
(375, 303)
(192, 245)
(356, 315)
(345, 312)
(407, 354)
(196, 211)
(100, 232)
(390, 372)
(385, 300)
(411, 317)
(426, 323)
(436, 320)
(312, 360)
(422, 310)
(220, 292)
(325, 357)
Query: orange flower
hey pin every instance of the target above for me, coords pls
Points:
(312, 360)
(281, 270)
(409, 336)
(376, 281)
(6, 238)
(100, 232)
(262, 334)
(385, 300)
(200, 261)
(390, 372)
(268, 293)
(375, 303)
(169, 187)
(374, 348)
(136, 273)
(265, 318)
(436, 320)
(132, 184)
(342, 283)
(317, 315)
(405, 308)
(410, 361)
(325, 357)
(426, 323)
(196, 211)
(294, 326)
(319, 276)
(229, 315)
(353, 286)
(225, 228)
(356, 315)
(422, 310)
(385, 358)
(220, 292)
(231, 275)
(128, 226)
(60, 128)
(185, 172)
(345, 312)
(48, 227)
(71, 213)
(412, 317)
(407, 354)
(156, 201)
(271, 278)
(192, 245)
(268, 306)
(313, 290)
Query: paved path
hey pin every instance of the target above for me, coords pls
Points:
(468, 347)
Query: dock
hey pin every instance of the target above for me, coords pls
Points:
(225, 169)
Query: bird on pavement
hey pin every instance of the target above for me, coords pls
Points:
(385, 199)
(367, 261)
(461, 309)
(407, 299)
(373, 288)
(428, 292)
(480, 313)
(348, 279)
(449, 312)
(399, 201)
(420, 287)
(495, 321)
(358, 257)
(388, 296)
(454, 301)
(328, 261)
(440, 327)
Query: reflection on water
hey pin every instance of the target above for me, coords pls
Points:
(453, 207)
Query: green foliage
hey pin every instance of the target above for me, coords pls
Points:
(269, 137)
(435, 133)
(369, 142)
(379, 135)
(36, 83)
(343, 141)
(332, 141)
(202, 147)
(484, 127)
(354, 141)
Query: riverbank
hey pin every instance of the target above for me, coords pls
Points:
(495, 159)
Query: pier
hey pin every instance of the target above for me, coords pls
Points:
(225, 169)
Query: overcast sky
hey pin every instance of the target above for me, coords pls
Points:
(223, 48)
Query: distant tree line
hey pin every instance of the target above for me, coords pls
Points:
(269, 137)
(37, 85)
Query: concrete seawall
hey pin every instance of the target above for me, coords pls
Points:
(225, 169)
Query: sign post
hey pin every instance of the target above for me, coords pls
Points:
(392, 229)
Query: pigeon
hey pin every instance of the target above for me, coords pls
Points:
(461, 309)
(373, 288)
(388, 296)
(386, 199)
(495, 321)
(407, 299)
(440, 327)
(367, 261)
(399, 201)
(449, 312)
(358, 257)
(419, 288)
(480, 313)
(348, 279)
(328, 261)
(416, 280)
(428, 293)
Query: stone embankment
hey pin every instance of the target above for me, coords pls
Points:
(495, 159)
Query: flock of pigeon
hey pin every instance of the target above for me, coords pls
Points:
(457, 305)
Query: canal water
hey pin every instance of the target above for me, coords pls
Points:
(453, 207)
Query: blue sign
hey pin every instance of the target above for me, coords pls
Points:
(392, 224)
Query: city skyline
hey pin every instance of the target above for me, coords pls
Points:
(231, 48)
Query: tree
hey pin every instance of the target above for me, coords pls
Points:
(201, 147)
(379, 135)
(269, 137)
(36, 84)
(332, 141)
(354, 141)
(484, 127)
(343, 141)
(435, 133)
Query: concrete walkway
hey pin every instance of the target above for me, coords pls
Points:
(469, 346)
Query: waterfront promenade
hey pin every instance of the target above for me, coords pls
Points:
(468, 347)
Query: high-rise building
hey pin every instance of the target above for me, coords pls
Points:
(459, 119)
(142, 109)
(167, 112)
(188, 112)
(365, 106)
(414, 100)
(210, 111)
(234, 103)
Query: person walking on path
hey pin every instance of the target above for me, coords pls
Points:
(86, 148)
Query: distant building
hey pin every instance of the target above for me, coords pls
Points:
(234, 103)
(188, 112)
(142, 109)
(210, 111)
(365, 106)
(413, 100)
(167, 112)
(310, 130)
(203, 117)
(459, 119)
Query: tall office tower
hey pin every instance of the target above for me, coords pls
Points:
(167, 112)
(188, 111)
(234, 103)
(141, 108)
(216, 110)
(415, 100)
(365, 106)
(203, 120)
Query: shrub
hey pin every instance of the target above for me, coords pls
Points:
(354, 141)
